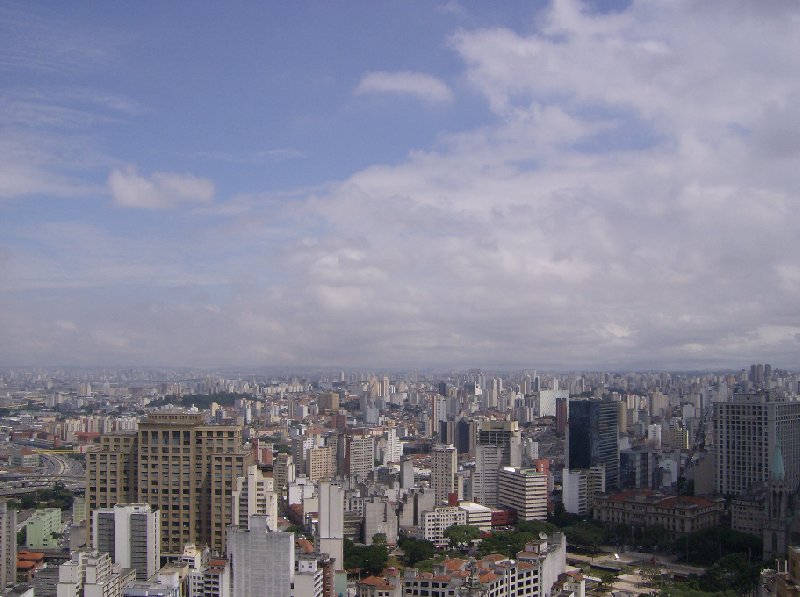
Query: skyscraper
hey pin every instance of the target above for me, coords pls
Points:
(254, 494)
(262, 561)
(593, 437)
(524, 491)
(487, 470)
(745, 432)
(444, 469)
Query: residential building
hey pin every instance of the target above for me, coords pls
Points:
(8, 544)
(43, 529)
(320, 463)
(444, 471)
(254, 494)
(359, 454)
(91, 574)
(380, 517)
(283, 471)
(434, 523)
(330, 526)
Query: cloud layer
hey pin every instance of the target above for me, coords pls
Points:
(630, 201)
(161, 190)
(420, 85)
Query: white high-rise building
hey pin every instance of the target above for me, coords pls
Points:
(130, 534)
(444, 470)
(254, 494)
(91, 574)
(394, 447)
(262, 562)
(525, 491)
(330, 525)
(487, 471)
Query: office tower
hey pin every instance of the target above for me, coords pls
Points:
(320, 463)
(254, 494)
(283, 471)
(262, 561)
(466, 434)
(186, 470)
(330, 526)
(442, 387)
(8, 545)
(129, 533)
(487, 471)
(359, 454)
(562, 415)
(505, 434)
(593, 437)
(745, 432)
(524, 491)
(112, 471)
(444, 469)
(91, 573)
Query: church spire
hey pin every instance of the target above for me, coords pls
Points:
(777, 472)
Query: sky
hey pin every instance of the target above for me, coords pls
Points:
(563, 185)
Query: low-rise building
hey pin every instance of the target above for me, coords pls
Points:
(677, 515)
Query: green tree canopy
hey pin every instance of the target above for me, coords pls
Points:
(461, 536)
(416, 550)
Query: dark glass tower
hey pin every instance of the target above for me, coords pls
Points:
(592, 437)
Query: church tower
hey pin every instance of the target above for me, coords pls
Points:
(777, 514)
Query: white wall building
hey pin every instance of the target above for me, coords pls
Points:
(131, 535)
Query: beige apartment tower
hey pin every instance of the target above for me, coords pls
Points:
(444, 472)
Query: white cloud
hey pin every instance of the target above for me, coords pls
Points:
(420, 85)
(161, 190)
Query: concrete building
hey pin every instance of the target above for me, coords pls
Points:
(580, 488)
(745, 431)
(254, 494)
(42, 529)
(130, 534)
(477, 516)
(677, 515)
(380, 516)
(8, 545)
(505, 434)
(444, 470)
(184, 468)
(487, 472)
(359, 456)
(330, 527)
(91, 574)
(262, 561)
(320, 463)
(434, 523)
(524, 491)
(283, 471)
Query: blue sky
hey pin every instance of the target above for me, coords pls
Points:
(549, 184)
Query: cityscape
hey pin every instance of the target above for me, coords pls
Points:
(400, 299)
(159, 482)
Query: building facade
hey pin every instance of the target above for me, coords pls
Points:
(593, 437)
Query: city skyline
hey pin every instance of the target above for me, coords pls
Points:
(400, 186)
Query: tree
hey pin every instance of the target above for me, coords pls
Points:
(416, 550)
(585, 535)
(461, 536)
(367, 559)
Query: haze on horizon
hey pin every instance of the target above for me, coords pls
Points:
(401, 185)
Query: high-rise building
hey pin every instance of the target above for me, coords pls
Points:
(185, 469)
(359, 454)
(593, 437)
(91, 573)
(487, 471)
(8, 545)
(283, 471)
(524, 491)
(320, 463)
(262, 560)
(505, 434)
(745, 432)
(129, 533)
(112, 471)
(444, 472)
(254, 494)
(330, 526)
